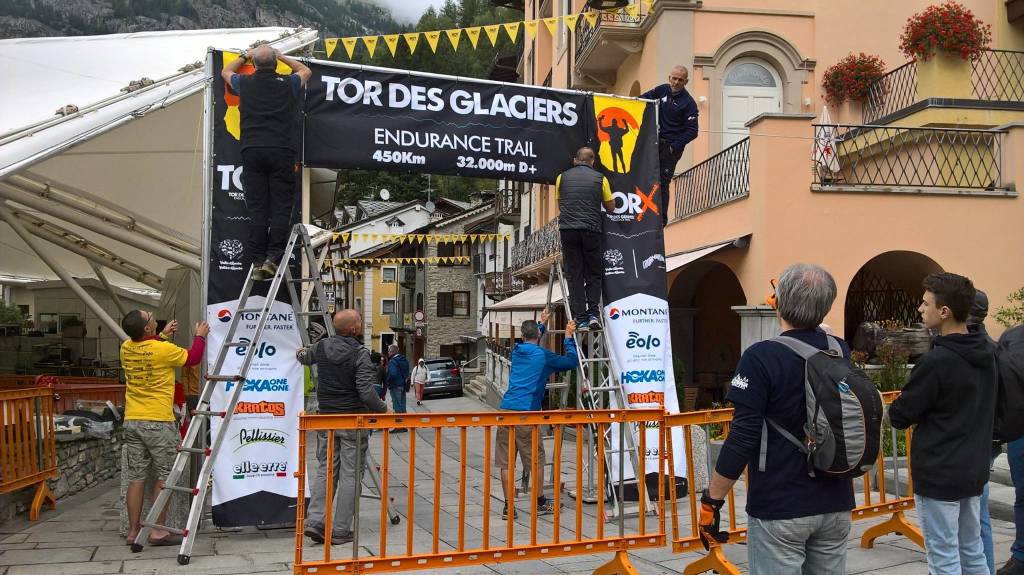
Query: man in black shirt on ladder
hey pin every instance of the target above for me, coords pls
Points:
(269, 104)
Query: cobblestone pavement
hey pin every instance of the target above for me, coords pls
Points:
(82, 536)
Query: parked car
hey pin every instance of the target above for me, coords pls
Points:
(444, 377)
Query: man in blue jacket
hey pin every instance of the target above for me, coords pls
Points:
(398, 375)
(532, 365)
(677, 126)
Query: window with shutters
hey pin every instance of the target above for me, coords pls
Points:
(460, 304)
(445, 304)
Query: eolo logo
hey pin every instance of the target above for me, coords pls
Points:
(224, 315)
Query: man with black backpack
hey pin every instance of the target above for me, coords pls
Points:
(951, 400)
(800, 490)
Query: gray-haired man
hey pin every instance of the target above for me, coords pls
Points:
(796, 523)
(345, 385)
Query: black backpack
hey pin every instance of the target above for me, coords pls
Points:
(844, 414)
(1009, 423)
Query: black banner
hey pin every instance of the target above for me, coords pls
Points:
(379, 120)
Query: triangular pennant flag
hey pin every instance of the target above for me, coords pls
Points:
(392, 41)
(633, 10)
(412, 39)
(492, 33)
(330, 44)
(552, 25)
(591, 18)
(570, 21)
(453, 36)
(373, 238)
(474, 35)
(371, 44)
(345, 236)
(419, 238)
(531, 29)
(512, 29)
(462, 238)
(432, 38)
(350, 45)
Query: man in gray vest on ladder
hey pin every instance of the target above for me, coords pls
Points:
(581, 191)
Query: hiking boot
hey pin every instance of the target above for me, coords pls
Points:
(1013, 566)
(258, 274)
(315, 533)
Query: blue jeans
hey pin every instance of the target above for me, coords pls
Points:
(1015, 456)
(952, 536)
(986, 532)
(397, 398)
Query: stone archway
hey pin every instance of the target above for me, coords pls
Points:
(783, 57)
(888, 286)
(705, 329)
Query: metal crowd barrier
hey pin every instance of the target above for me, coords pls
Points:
(581, 533)
(28, 453)
(715, 560)
(573, 532)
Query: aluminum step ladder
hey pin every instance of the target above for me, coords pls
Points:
(194, 440)
(597, 387)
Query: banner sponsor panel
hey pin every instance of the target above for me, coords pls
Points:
(253, 481)
(386, 120)
(636, 309)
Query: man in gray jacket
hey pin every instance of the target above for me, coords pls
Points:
(345, 378)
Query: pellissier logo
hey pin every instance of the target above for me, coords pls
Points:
(224, 315)
(614, 313)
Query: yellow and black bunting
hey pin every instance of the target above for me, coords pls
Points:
(343, 262)
(492, 32)
(345, 237)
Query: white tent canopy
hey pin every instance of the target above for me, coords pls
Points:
(122, 178)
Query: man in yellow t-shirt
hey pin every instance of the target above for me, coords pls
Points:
(151, 436)
(581, 191)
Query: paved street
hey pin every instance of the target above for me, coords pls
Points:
(81, 537)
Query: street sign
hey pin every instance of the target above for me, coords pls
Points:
(419, 315)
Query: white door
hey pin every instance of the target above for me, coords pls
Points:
(751, 88)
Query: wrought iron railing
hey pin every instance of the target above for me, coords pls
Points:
(500, 285)
(540, 245)
(894, 91)
(892, 156)
(585, 32)
(998, 76)
(508, 202)
(717, 180)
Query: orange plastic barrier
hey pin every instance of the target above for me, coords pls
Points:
(573, 531)
(715, 559)
(28, 454)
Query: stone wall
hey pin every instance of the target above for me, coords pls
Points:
(446, 330)
(82, 462)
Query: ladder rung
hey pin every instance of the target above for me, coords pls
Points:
(608, 388)
(298, 280)
(200, 450)
(238, 343)
(320, 312)
(209, 413)
(593, 359)
(249, 310)
(192, 490)
(224, 377)
(182, 532)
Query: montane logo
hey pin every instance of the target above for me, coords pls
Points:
(614, 313)
(224, 315)
(643, 376)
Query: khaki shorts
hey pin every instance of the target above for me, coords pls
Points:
(524, 446)
(150, 444)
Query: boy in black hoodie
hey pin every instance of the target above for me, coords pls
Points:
(951, 399)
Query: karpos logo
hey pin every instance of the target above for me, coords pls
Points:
(643, 376)
(634, 205)
(224, 315)
(647, 397)
(275, 408)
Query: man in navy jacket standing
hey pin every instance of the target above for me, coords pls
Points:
(677, 126)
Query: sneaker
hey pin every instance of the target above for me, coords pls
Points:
(269, 269)
(594, 323)
(258, 274)
(1013, 566)
(504, 512)
(339, 538)
(315, 533)
(547, 508)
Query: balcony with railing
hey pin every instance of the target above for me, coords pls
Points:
(909, 159)
(501, 285)
(535, 254)
(718, 180)
(601, 47)
(508, 205)
(996, 82)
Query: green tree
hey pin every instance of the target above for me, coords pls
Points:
(10, 313)
(1012, 314)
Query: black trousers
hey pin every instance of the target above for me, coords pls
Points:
(268, 176)
(582, 263)
(667, 160)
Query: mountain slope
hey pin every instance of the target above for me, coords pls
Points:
(35, 18)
